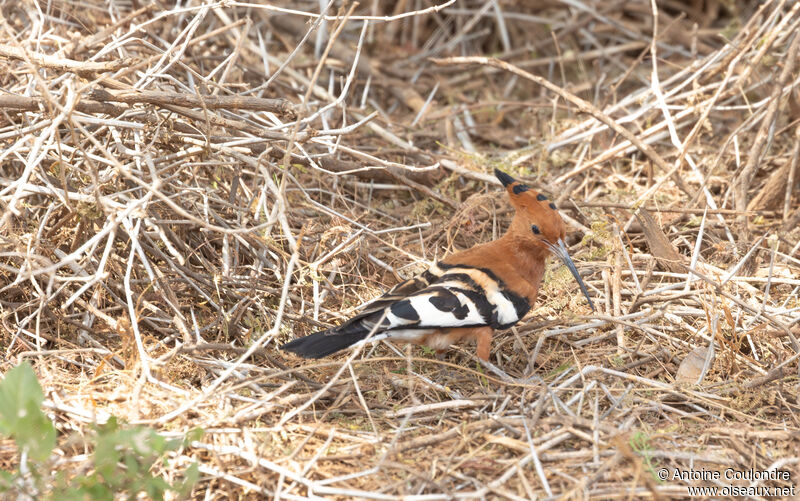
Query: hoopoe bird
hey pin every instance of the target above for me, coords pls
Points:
(466, 296)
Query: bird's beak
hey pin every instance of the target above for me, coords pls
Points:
(560, 250)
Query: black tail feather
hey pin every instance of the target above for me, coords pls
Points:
(324, 343)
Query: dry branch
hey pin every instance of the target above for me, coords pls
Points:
(63, 64)
(280, 106)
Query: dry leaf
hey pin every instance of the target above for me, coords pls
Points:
(660, 246)
(692, 366)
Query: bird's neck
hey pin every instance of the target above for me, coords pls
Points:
(514, 257)
(522, 253)
(527, 258)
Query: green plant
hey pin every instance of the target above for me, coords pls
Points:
(21, 415)
(121, 463)
(640, 443)
(123, 457)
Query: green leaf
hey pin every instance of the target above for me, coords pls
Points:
(190, 477)
(6, 480)
(21, 415)
(193, 435)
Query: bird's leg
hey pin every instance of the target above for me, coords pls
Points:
(483, 336)
(445, 337)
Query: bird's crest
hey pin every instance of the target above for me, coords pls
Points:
(522, 193)
(541, 213)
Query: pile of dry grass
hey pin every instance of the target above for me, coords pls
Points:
(184, 188)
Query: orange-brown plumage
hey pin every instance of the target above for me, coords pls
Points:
(469, 294)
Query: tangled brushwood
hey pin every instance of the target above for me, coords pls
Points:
(185, 188)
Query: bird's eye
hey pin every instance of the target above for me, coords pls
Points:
(535, 229)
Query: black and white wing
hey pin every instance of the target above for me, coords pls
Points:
(456, 296)
(445, 296)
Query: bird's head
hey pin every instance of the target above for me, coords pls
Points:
(538, 222)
